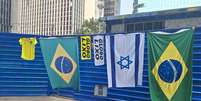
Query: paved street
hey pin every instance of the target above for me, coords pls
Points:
(43, 98)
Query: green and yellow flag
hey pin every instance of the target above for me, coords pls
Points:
(61, 60)
(170, 65)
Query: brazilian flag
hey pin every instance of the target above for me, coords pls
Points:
(61, 60)
(170, 65)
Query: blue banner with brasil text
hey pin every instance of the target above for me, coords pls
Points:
(61, 60)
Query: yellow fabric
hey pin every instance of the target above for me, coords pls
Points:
(28, 48)
(85, 47)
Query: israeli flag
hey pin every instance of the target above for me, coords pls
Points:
(125, 56)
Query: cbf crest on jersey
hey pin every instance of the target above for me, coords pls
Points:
(170, 65)
(61, 60)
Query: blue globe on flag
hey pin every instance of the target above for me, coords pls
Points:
(170, 71)
(63, 64)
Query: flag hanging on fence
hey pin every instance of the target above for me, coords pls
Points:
(125, 56)
(98, 44)
(170, 65)
(61, 60)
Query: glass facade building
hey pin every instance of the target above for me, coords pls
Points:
(48, 17)
(5, 6)
(112, 7)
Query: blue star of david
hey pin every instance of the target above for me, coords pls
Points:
(124, 62)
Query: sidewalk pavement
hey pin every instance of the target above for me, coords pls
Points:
(40, 98)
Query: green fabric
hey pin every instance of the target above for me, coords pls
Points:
(48, 47)
(157, 43)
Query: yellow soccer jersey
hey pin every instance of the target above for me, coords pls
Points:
(28, 48)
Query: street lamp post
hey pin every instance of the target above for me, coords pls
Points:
(136, 5)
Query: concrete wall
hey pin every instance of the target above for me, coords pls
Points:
(179, 23)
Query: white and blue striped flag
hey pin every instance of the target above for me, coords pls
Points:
(125, 56)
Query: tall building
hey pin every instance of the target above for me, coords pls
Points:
(93, 9)
(47, 17)
(89, 11)
(101, 8)
(15, 16)
(111, 7)
(5, 6)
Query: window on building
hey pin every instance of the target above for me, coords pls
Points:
(144, 26)
(139, 27)
(158, 25)
(130, 28)
(148, 26)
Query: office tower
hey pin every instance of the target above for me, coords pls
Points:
(101, 8)
(111, 7)
(47, 17)
(5, 15)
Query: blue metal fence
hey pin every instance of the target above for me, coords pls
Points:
(91, 75)
(19, 77)
(29, 78)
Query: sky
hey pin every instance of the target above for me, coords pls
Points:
(156, 5)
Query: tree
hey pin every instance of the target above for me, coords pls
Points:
(90, 26)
